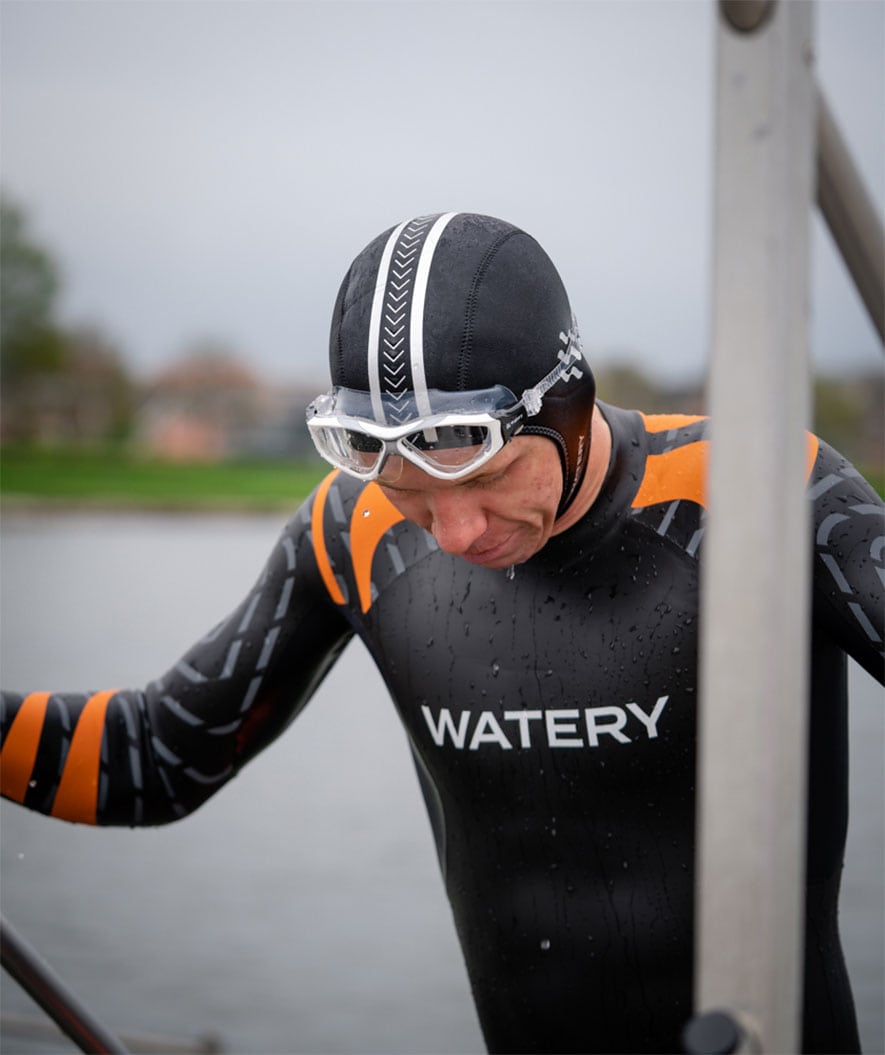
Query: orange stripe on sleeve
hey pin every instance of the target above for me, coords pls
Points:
(319, 539)
(372, 517)
(77, 795)
(678, 474)
(19, 751)
(812, 445)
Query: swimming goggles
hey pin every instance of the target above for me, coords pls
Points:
(450, 436)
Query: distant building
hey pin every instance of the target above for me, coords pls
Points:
(210, 406)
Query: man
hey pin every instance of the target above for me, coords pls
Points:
(522, 564)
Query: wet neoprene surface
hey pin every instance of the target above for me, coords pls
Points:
(552, 720)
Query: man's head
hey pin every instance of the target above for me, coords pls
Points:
(459, 326)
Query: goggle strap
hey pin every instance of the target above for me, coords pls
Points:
(533, 397)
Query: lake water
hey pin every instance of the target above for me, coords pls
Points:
(301, 909)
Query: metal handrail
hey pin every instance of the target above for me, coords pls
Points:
(40, 982)
(846, 206)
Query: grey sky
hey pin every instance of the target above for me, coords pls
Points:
(208, 169)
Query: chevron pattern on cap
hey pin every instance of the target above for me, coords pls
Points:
(396, 329)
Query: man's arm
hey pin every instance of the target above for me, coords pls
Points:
(151, 756)
(849, 559)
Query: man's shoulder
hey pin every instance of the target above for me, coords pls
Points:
(668, 455)
(666, 432)
(338, 500)
(361, 542)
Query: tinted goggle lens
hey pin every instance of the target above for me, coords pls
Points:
(449, 438)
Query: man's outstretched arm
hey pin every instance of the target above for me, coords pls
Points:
(150, 756)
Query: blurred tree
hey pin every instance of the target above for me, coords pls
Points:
(626, 385)
(102, 396)
(29, 284)
(849, 412)
(86, 397)
(58, 386)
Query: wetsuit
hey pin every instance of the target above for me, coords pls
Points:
(552, 718)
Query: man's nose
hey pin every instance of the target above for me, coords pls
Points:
(457, 521)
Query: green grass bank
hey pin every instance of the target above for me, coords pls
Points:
(116, 479)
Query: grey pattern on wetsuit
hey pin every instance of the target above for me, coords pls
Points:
(850, 519)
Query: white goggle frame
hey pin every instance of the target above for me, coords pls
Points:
(333, 436)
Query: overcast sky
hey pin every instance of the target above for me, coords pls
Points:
(207, 170)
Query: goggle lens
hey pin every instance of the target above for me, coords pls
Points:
(348, 449)
(449, 438)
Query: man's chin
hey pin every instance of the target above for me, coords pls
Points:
(495, 557)
(500, 557)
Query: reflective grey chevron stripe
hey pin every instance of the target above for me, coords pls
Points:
(396, 328)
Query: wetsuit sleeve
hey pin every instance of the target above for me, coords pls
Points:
(150, 756)
(849, 559)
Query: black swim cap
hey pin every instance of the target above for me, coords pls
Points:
(461, 302)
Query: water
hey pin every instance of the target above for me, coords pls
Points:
(301, 909)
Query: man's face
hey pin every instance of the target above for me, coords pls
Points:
(501, 515)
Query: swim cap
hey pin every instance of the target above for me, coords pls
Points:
(460, 302)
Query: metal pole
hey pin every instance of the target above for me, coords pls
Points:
(754, 621)
(40, 982)
(853, 221)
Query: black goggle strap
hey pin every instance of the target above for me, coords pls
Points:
(512, 422)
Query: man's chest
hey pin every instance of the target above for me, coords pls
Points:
(597, 657)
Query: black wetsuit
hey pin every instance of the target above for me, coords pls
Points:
(552, 718)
